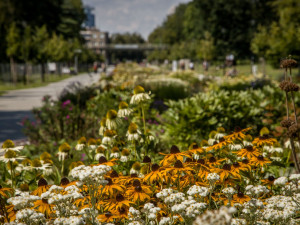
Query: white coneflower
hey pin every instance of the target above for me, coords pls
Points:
(133, 133)
(92, 143)
(103, 127)
(63, 151)
(139, 95)
(135, 169)
(100, 152)
(81, 143)
(125, 155)
(36, 164)
(124, 110)
(112, 119)
(109, 137)
(10, 145)
(115, 152)
(10, 156)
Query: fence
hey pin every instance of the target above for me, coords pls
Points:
(29, 73)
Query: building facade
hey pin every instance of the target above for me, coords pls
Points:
(90, 17)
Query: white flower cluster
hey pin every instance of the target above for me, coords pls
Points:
(235, 147)
(294, 177)
(164, 221)
(150, 210)
(256, 191)
(222, 216)
(134, 216)
(79, 147)
(281, 181)
(124, 158)
(174, 198)
(280, 208)
(23, 201)
(229, 191)
(195, 209)
(30, 216)
(213, 177)
(253, 206)
(197, 190)
(90, 174)
(72, 220)
(164, 193)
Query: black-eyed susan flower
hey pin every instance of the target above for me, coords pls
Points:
(240, 198)
(117, 202)
(107, 217)
(220, 144)
(248, 152)
(112, 188)
(138, 192)
(42, 187)
(103, 161)
(237, 134)
(44, 207)
(6, 192)
(225, 172)
(260, 161)
(155, 175)
(269, 181)
(173, 156)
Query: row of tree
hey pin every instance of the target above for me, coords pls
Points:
(211, 29)
(38, 31)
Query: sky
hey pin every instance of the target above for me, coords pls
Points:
(142, 16)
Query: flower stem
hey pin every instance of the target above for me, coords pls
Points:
(144, 119)
(62, 168)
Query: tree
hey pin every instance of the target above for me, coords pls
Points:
(282, 37)
(26, 50)
(13, 48)
(40, 41)
(206, 48)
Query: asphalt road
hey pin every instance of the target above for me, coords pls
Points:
(17, 105)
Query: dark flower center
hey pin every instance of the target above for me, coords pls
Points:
(136, 183)
(201, 161)
(227, 167)
(240, 194)
(212, 159)
(245, 161)
(133, 175)
(215, 142)
(188, 160)
(147, 159)
(178, 164)
(155, 167)
(42, 182)
(114, 174)
(109, 181)
(249, 148)
(236, 165)
(260, 158)
(102, 159)
(195, 146)
(120, 198)
(138, 188)
(264, 137)
(44, 200)
(221, 139)
(108, 214)
(174, 150)
(64, 181)
(271, 178)
(237, 129)
(122, 210)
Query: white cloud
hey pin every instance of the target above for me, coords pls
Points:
(131, 15)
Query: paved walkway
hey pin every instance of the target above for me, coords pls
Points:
(15, 105)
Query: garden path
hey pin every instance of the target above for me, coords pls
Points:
(17, 104)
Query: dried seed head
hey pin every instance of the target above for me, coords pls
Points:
(283, 85)
(293, 130)
(287, 123)
(288, 63)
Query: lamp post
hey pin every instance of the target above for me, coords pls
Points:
(77, 52)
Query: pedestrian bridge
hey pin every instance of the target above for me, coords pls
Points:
(138, 47)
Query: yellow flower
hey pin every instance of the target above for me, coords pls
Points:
(110, 188)
(44, 207)
(248, 152)
(173, 156)
(118, 202)
(42, 187)
(260, 161)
